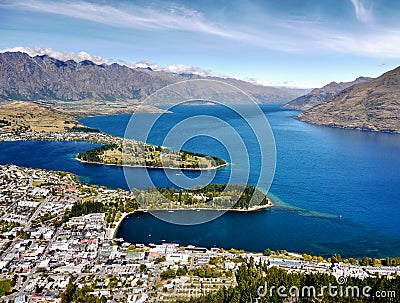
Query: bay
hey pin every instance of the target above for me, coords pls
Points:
(337, 190)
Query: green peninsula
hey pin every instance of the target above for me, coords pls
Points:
(139, 154)
(238, 197)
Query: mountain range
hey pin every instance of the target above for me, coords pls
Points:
(69, 83)
(84, 88)
(373, 105)
(320, 95)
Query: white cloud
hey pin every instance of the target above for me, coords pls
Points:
(286, 84)
(170, 18)
(380, 42)
(64, 55)
(362, 13)
(180, 68)
(315, 37)
(301, 35)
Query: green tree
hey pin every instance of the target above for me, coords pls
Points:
(336, 258)
(267, 252)
(143, 268)
(67, 295)
(181, 271)
(168, 273)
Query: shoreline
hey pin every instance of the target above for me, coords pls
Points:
(111, 232)
(161, 167)
(355, 128)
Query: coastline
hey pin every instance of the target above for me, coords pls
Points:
(111, 232)
(144, 166)
(347, 127)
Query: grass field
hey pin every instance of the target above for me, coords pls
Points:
(5, 286)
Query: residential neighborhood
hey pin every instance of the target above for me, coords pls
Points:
(89, 136)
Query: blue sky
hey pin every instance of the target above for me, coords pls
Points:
(305, 43)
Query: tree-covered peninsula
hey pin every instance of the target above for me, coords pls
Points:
(135, 153)
(211, 196)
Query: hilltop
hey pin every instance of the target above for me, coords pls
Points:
(373, 106)
(320, 95)
(27, 116)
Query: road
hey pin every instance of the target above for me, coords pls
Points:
(37, 211)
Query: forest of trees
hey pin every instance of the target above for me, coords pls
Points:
(242, 194)
(74, 294)
(92, 155)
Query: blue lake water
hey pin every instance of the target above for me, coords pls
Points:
(337, 190)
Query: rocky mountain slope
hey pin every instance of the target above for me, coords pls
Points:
(320, 95)
(26, 78)
(373, 106)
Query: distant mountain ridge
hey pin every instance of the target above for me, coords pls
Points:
(26, 78)
(373, 106)
(320, 95)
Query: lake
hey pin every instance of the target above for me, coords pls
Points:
(337, 191)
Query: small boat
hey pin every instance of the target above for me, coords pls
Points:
(170, 211)
(178, 174)
(149, 235)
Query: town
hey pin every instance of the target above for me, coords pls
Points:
(55, 238)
